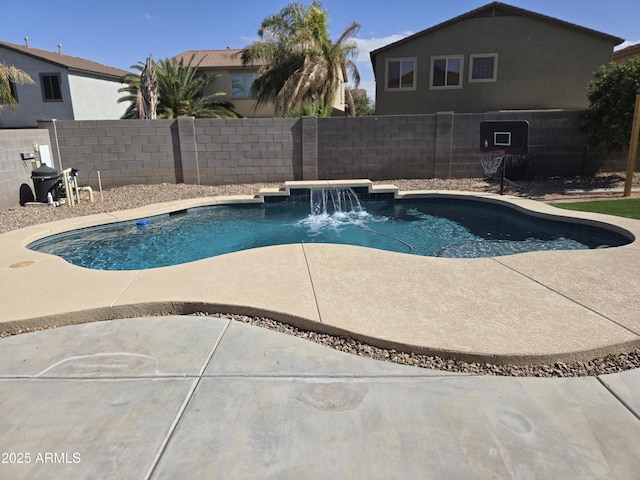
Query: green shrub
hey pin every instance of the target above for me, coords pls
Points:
(612, 95)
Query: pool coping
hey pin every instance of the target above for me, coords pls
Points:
(537, 307)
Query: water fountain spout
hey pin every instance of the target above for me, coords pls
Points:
(340, 200)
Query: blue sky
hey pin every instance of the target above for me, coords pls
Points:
(121, 33)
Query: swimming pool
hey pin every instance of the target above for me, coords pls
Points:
(439, 227)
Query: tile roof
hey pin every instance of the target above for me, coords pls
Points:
(627, 53)
(229, 57)
(67, 61)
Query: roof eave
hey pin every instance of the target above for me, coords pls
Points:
(47, 59)
(94, 74)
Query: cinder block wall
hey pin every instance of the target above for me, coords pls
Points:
(186, 150)
(15, 172)
(557, 146)
(377, 148)
(222, 151)
(243, 150)
(123, 151)
(444, 145)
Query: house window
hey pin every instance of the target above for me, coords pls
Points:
(400, 74)
(12, 91)
(241, 85)
(483, 68)
(446, 72)
(51, 87)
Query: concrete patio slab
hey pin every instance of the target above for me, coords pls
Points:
(87, 429)
(626, 386)
(118, 348)
(267, 405)
(247, 350)
(444, 428)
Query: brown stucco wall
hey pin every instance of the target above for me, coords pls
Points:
(541, 65)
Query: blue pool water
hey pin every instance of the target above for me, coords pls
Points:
(430, 227)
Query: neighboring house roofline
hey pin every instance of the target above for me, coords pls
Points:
(225, 58)
(73, 64)
(489, 8)
(630, 51)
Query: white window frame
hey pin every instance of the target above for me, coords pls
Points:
(432, 69)
(401, 88)
(494, 77)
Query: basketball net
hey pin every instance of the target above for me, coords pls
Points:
(491, 161)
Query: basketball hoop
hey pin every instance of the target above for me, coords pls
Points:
(491, 161)
(499, 138)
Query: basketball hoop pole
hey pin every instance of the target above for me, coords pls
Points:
(502, 162)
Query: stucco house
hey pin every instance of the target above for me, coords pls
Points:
(236, 79)
(67, 87)
(624, 54)
(496, 57)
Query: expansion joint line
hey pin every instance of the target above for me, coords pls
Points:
(313, 288)
(586, 307)
(619, 398)
(129, 283)
(185, 403)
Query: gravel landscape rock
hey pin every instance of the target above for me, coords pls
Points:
(552, 189)
(613, 363)
(131, 196)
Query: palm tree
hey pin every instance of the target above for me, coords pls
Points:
(302, 66)
(148, 90)
(8, 75)
(179, 92)
(132, 90)
(363, 105)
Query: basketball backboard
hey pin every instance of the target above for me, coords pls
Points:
(512, 136)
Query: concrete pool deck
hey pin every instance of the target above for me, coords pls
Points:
(201, 397)
(528, 308)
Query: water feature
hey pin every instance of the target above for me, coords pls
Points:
(444, 226)
(336, 207)
(332, 209)
(341, 200)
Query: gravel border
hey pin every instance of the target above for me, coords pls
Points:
(596, 366)
(132, 196)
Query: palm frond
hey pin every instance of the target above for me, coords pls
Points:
(180, 89)
(8, 75)
(301, 65)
